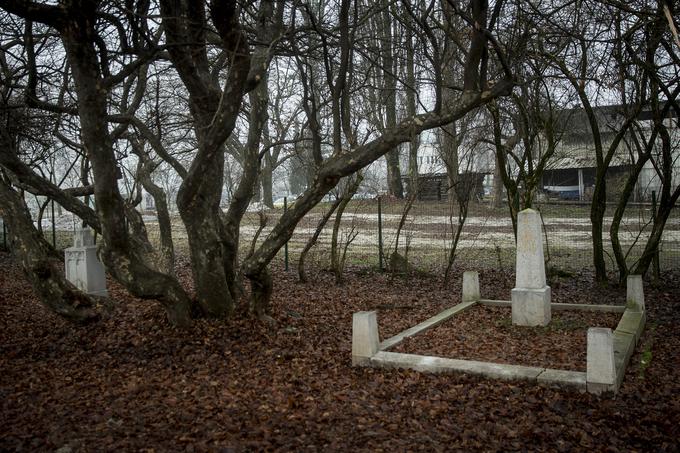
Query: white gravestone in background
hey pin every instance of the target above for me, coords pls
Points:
(531, 295)
(83, 267)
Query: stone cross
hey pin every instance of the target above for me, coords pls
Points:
(531, 295)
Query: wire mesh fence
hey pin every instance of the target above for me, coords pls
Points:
(369, 232)
(486, 241)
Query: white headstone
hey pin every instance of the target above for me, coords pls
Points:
(600, 367)
(365, 338)
(82, 265)
(531, 295)
(471, 286)
(530, 270)
(635, 296)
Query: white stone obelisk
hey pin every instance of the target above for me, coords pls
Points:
(531, 295)
(83, 267)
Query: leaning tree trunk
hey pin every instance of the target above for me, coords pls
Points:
(266, 179)
(54, 291)
(310, 243)
(598, 208)
(346, 164)
(666, 205)
(652, 246)
(618, 216)
(349, 192)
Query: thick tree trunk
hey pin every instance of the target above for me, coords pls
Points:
(497, 186)
(394, 183)
(261, 290)
(598, 208)
(266, 179)
(203, 226)
(259, 101)
(121, 256)
(52, 288)
(449, 133)
(449, 152)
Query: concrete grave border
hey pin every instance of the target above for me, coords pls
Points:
(608, 353)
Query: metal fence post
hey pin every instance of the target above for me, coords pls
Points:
(655, 259)
(285, 247)
(380, 236)
(54, 229)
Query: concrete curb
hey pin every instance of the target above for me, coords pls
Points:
(425, 325)
(432, 364)
(560, 307)
(621, 344)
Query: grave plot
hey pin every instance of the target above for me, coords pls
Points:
(486, 333)
(606, 353)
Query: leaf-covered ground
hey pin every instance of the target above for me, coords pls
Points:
(487, 334)
(132, 383)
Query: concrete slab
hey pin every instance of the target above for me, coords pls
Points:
(588, 307)
(626, 336)
(632, 322)
(423, 326)
(559, 306)
(442, 365)
(600, 367)
(624, 345)
(563, 379)
(495, 303)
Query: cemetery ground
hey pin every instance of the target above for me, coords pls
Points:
(130, 382)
